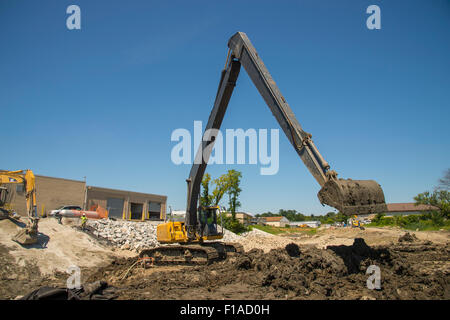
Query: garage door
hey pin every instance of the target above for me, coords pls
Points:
(115, 207)
(154, 210)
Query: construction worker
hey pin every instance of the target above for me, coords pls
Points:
(59, 217)
(83, 221)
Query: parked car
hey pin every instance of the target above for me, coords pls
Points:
(60, 210)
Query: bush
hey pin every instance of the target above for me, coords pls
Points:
(377, 218)
(234, 225)
(428, 221)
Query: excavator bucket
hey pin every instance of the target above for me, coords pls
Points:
(353, 197)
(27, 235)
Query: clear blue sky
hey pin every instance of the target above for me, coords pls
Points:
(102, 101)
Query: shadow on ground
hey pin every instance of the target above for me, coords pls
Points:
(358, 252)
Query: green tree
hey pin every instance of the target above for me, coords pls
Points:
(266, 214)
(340, 217)
(233, 190)
(205, 198)
(439, 199)
(221, 187)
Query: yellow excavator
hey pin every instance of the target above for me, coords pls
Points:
(27, 235)
(188, 240)
(355, 223)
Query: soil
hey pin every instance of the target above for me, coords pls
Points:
(408, 271)
(25, 268)
(19, 278)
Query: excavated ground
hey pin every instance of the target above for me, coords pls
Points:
(331, 264)
(410, 269)
(19, 278)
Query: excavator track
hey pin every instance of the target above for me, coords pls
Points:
(193, 254)
(181, 254)
(225, 249)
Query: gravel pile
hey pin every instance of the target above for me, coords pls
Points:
(126, 235)
(229, 236)
(256, 233)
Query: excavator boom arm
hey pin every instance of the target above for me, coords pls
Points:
(348, 196)
(243, 50)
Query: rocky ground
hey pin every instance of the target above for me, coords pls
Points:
(331, 264)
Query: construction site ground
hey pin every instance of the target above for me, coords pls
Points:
(330, 264)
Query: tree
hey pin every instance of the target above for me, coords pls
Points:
(444, 183)
(221, 187)
(233, 190)
(340, 217)
(439, 199)
(205, 198)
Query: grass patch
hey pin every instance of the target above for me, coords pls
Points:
(412, 222)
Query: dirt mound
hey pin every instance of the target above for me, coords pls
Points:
(407, 237)
(292, 249)
(18, 278)
(59, 246)
(408, 271)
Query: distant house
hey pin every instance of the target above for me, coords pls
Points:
(395, 209)
(276, 221)
(311, 224)
(244, 217)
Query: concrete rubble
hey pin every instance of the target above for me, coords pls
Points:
(127, 235)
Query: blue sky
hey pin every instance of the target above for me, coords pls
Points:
(102, 101)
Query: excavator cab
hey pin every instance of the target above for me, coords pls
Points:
(207, 216)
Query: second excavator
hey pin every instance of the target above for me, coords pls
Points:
(191, 236)
(29, 234)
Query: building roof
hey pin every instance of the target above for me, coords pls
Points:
(304, 222)
(406, 207)
(273, 219)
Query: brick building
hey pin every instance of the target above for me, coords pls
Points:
(52, 193)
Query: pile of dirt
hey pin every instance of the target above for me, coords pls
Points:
(18, 278)
(27, 267)
(407, 237)
(408, 271)
(58, 247)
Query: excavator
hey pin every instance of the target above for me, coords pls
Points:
(27, 235)
(188, 241)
